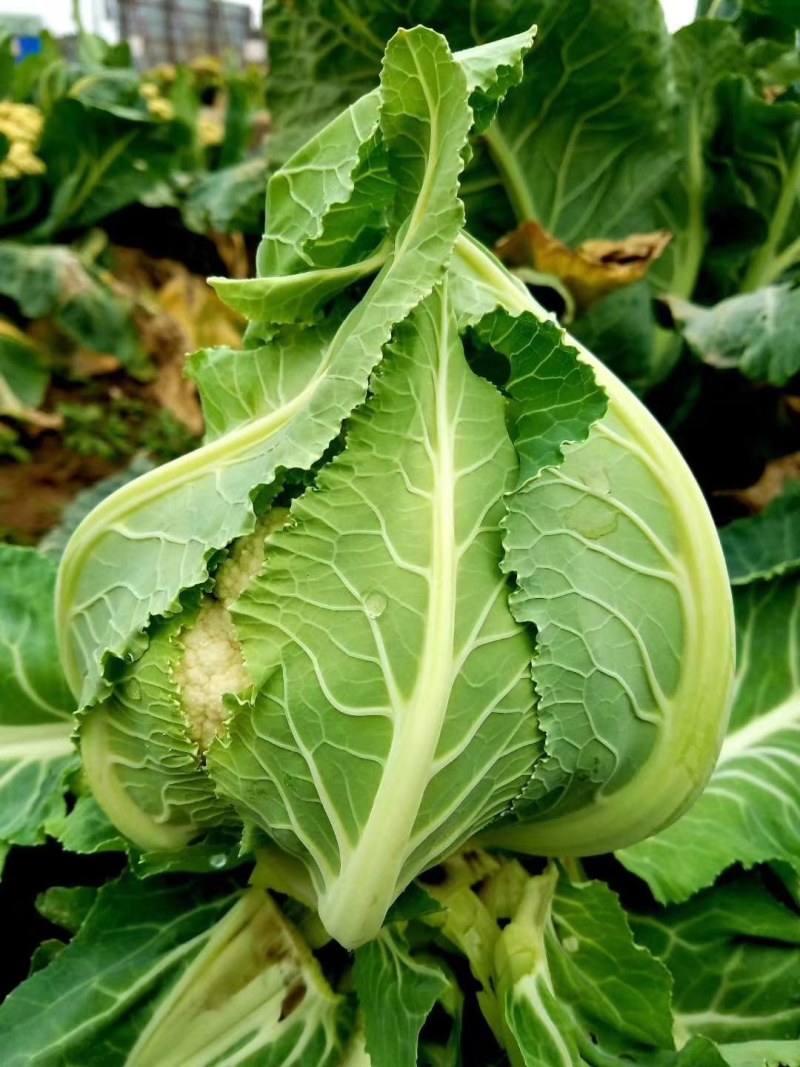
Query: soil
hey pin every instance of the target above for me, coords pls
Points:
(34, 494)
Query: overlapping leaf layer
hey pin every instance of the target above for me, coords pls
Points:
(481, 612)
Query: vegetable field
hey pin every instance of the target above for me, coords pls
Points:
(400, 507)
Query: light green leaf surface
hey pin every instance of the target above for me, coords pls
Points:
(400, 548)
(319, 177)
(754, 332)
(36, 750)
(86, 829)
(492, 69)
(750, 811)
(292, 412)
(768, 544)
(396, 993)
(762, 1054)
(554, 397)
(734, 955)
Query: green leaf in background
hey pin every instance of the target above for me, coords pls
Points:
(66, 906)
(754, 332)
(52, 280)
(36, 750)
(100, 160)
(230, 200)
(703, 53)
(621, 330)
(755, 18)
(768, 544)
(760, 145)
(580, 146)
(750, 810)
(396, 993)
(734, 956)
(24, 377)
(226, 964)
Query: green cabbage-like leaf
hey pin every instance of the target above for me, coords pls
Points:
(497, 598)
(612, 550)
(714, 946)
(768, 544)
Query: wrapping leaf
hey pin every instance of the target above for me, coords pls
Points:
(750, 810)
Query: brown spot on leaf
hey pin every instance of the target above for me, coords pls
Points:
(293, 999)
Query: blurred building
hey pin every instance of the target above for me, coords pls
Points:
(24, 31)
(169, 31)
(157, 30)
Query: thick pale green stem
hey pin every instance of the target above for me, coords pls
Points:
(768, 263)
(507, 163)
(368, 880)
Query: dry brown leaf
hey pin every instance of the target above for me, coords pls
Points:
(179, 396)
(233, 252)
(771, 483)
(593, 269)
(772, 93)
(178, 312)
(36, 419)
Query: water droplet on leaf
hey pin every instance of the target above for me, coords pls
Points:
(375, 605)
